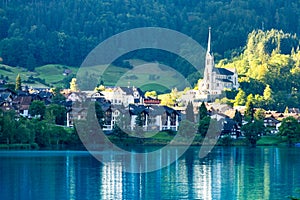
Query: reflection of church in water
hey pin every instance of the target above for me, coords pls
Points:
(215, 80)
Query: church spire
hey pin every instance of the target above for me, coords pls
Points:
(209, 38)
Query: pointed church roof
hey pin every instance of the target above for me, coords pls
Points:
(209, 41)
(223, 71)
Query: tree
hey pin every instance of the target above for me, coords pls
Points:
(31, 63)
(268, 93)
(58, 134)
(240, 98)
(253, 130)
(151, 94)
(190, 112)
(18, 83)
(289, 128)
(167, 100)
(43, 133)
(73, 85)
(139, 123)
(55, 114)
(119, 132)
(202, 111)
(37, 109)
(238, 118)
(203, 126)
(23, 134)
(57, 96)
(249, 110)
(99, 88)
(187, 129)
(259, 114)
(174, 95)
(9, 125)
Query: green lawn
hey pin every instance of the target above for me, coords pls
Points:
(53, 74)
(270, 140)
(144, 75)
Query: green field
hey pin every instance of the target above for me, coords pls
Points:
(44, 76)
(148, 76)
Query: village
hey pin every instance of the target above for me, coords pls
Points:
(128, 103)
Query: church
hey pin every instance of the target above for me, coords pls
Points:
(216, 80)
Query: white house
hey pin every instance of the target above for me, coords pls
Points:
(124, 95)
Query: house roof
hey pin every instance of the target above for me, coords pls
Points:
(5, 89)
(5, 95)
(229, 124)
(120, 108)
(131, 90)
(23, 100)
(223, 71)
(159, 110)
(45, 94)
(272, 119)
(224, 80)
(137, 109)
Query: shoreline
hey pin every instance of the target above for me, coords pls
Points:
(130, 142)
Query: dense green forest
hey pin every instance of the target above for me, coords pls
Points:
(269, 70)
(38, 32)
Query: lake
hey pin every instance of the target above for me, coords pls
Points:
(226, 173)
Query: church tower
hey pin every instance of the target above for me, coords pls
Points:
(207, 84)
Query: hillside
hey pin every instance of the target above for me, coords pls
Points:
(147, 76)
(36, 33)
(269, 70)
(44, 76)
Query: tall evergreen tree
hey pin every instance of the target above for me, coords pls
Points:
(18, 83)
(238, 118)
(190, 112)
(202, 111)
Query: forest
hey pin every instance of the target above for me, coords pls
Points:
(38, 32)
(269, 71)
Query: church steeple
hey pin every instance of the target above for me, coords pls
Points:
(208, 84)
(209, 55)
(209, 39)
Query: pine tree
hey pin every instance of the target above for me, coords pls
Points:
(202, 111)
(238, 118)
(190, 112)
(18, 83)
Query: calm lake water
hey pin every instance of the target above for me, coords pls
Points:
(226, 173)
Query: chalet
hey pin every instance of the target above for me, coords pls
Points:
(92, 95)
(76, 97)
(155, 117)
(270, 121)
(75, 114)
(6, 98)
(124, 95)
(21, 104)
(231, 128)
(138, 110)
(164, 118)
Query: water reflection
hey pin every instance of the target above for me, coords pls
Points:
(226, 173)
